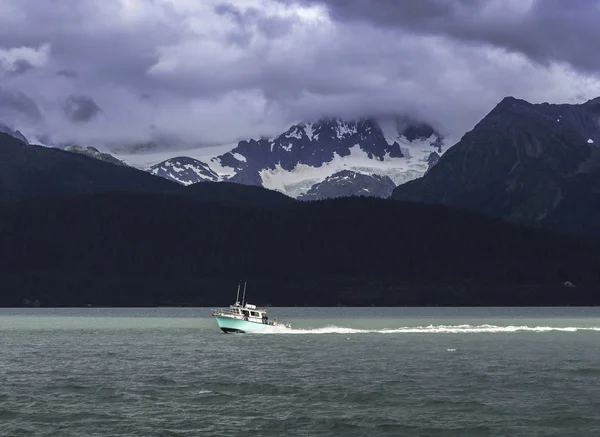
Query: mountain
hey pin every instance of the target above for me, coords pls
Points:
(347, 183)
(139, 249)
(535, 164)
(307, 154)
(184, 170)
(28, 171)
(380, 149)
(92, 152)
(4, 129)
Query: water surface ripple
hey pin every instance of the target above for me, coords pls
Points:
(346, 372)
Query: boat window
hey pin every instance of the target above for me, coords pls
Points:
(254, 314)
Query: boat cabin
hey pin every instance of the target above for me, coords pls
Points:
(249, 313)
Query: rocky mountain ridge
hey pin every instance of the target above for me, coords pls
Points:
(309, 153)
(5, 129)
(535, 164)
(93, 152)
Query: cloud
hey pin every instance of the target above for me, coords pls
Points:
(81, 109)
(14, 105)
(545, 31)
(214, 71)
(18, 60)
(21, 66)
(68, 73)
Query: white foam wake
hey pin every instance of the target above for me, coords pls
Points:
(430, 329)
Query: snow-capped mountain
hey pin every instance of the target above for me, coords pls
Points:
(309, 153)
(186, 171)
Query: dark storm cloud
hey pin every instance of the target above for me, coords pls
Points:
(218, 70)
(238, 14)
(88, 36)
(543, 30)
(21, 66)
(70, 74)
(15, 104)
(81, 109)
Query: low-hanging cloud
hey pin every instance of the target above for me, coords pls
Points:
(81, 109)
(21, 66)
(71, 74)
(18, 107)
(18, 60)
(217, 71)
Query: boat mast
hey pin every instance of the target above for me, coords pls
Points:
(237, 297)
(244, 297)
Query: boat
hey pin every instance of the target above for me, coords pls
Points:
(242, 317)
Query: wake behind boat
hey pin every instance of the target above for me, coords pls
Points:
(244, 317)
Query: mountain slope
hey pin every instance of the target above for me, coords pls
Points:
(92, 152)
(160, 249)
(34, 171)
(347, 183)
(184, 170)
(536, 164)
(4, 129)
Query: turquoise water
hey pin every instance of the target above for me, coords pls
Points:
(339, 371)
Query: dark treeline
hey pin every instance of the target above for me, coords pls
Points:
(160, 249)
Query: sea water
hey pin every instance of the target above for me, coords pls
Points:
(338, 372)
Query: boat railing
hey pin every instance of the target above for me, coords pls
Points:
(225, 311)
(232, 311)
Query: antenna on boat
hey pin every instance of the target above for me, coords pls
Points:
(244, 297)
(237, 297)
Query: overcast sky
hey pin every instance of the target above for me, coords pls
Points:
(213, 71)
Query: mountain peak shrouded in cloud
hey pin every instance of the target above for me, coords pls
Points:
(218, 71)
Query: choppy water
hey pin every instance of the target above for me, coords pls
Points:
(346, 372)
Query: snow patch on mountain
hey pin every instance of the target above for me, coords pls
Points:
(184, 170)
(349, 183)
(298, 181)
(308, 129)
(223, 171)
(239, 157)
